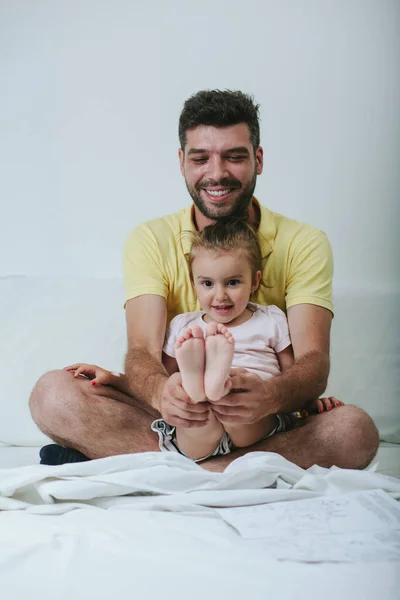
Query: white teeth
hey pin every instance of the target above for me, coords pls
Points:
(217, 192)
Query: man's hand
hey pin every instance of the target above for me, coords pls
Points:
(177, 408)
(246, 403)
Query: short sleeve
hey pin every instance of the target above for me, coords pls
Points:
(281, 329)
(310, 272)
(143, 267)
(171, 335)
(176, 328)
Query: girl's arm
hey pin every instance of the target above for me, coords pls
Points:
(285, 358)
(170, 364)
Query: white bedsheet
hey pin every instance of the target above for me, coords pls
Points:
(169, 480)
(387, 460)
(162, 533)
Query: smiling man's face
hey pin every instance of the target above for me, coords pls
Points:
(220, 169)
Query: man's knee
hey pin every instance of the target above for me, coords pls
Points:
(47, 395)
(359, 436)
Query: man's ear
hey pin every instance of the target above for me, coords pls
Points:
(181, 156)
(259, 160)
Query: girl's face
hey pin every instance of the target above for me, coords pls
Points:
(224, 283)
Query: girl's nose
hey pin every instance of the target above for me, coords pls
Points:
(220, 293)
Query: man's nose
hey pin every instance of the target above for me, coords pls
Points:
(217, 168)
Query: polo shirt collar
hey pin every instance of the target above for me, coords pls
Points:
(266, 231)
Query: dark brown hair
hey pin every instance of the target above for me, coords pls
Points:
(220, 109)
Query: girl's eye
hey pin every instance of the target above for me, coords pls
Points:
(233, 282)
(207, 283)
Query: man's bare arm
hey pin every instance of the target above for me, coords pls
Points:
(146, 318)
(307, 378)
(147, 379)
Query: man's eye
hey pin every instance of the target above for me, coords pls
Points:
(199, 161)
(236, 158)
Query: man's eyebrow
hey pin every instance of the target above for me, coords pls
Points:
(236, 149)
(197, 151)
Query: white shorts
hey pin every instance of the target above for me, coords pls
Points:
(168, 443)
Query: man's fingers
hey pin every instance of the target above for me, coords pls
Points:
(188, 415)
(178, 393)
(238, 382)
(178, 422)
(231, 399)
(201, 409)
(191, 407)
(230, 411)
(237, 371)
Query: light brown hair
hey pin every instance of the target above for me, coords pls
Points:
(227, 235)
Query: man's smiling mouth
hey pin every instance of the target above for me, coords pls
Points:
(218, 193)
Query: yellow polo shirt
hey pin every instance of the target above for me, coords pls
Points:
(298, 265)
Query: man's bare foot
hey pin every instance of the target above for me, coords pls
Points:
(220, 345)
(190, 356)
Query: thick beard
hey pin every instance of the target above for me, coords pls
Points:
(239, 209)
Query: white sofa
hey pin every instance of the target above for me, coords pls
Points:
(48, 323)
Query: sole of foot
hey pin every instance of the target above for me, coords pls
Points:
(220, 346)
(190, 356)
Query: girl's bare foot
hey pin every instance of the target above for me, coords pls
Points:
(190, 356)
(220, 345)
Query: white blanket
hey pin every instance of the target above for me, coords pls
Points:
(162, 532)
(167, 480)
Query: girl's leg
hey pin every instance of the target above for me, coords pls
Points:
(198, 442)
(247, 435)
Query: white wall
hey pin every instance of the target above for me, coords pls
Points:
(90, 95)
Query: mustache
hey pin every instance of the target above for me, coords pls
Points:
(225, 182)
